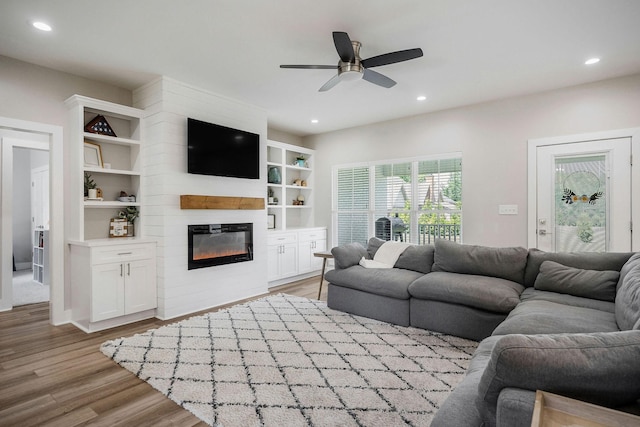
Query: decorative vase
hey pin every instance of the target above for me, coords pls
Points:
(300, 162)
(274, 175)
(131, 231)
(92, 193)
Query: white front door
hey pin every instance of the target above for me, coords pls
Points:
(583, 196)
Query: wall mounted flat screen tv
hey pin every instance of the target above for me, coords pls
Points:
(222, 151)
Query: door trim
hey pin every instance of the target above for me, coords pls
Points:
(532, 146)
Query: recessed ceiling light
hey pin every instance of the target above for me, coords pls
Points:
(421, 98)
(314, 121)
(42, 26)
(591, 61)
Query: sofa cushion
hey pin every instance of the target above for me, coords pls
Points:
(628, 296)
(531, 294)
(373, 245)
(417, 258)
(594, 284)
(344, 256)
(601, 368)
(506, 263)
(392, 282)
(488, 293)
(546, 317)
(587, 260)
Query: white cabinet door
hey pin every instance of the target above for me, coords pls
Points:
(273, 259)
(140, 289)
(319, 246)
(107, 291)
(289, 260)
(305, 256)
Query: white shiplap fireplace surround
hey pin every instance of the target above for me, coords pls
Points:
(168, 103)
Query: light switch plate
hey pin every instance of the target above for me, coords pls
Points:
(508, 209)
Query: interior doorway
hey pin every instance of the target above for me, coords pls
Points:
(31, 225)
(38, 136)
(581, 193)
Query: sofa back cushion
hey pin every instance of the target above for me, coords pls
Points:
(628, 295)
(587, 260)
(345, 256)
(505, 263)
(416, 257)
(593, 284)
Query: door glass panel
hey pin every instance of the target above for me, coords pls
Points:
(581, 204)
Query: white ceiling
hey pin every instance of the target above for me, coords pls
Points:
(474, 50)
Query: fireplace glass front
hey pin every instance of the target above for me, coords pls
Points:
(218, 244)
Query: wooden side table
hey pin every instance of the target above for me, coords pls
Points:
(552, 410)
(325, 255)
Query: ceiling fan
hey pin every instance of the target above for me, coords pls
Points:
(351, 67)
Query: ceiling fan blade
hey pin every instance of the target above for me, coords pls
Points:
(331, 83)
(377, 78)
(343, 46)
(311, 67)
(392, 58)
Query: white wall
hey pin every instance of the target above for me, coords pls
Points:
(180, 290)
(22, 246)
(493, 140)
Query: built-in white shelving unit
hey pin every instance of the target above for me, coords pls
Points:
(294, 240)
(113, 280)
(120, 171)
(41, 256)
(295, 185)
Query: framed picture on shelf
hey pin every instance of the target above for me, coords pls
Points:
(271, 221)
(92, 155)
(118, 227)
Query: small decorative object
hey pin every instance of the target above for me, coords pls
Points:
(92, 193)
(297, 182)
(303, 183)
(92, 154)
(89, 184)
(274, 175)
(100, 126)
(300, 160)
(271, 221)
(298, 201)
(99, 193)
(129, 214)
(118, 227)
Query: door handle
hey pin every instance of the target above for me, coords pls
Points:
(128, 269)
(121, 270)
(543, 232)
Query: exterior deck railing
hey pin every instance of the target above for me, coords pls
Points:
(427, 233)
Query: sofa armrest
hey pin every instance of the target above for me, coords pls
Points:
(602, 368)
(350, 254)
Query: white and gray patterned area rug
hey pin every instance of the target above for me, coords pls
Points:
(291, 361)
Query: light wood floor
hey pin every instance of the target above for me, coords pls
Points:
(57, 376)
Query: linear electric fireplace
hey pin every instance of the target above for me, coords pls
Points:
(217, 244)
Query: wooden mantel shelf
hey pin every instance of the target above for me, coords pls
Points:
(188, 201)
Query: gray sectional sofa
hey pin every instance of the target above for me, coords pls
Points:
(567, 323)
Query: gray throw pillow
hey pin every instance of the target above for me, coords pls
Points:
(594, 284)
(345, 256)
(373, 245)
(505, 263)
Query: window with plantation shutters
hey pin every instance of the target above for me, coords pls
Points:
(352, 204)
(414, 200)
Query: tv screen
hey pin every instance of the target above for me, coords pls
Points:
(222, 151)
